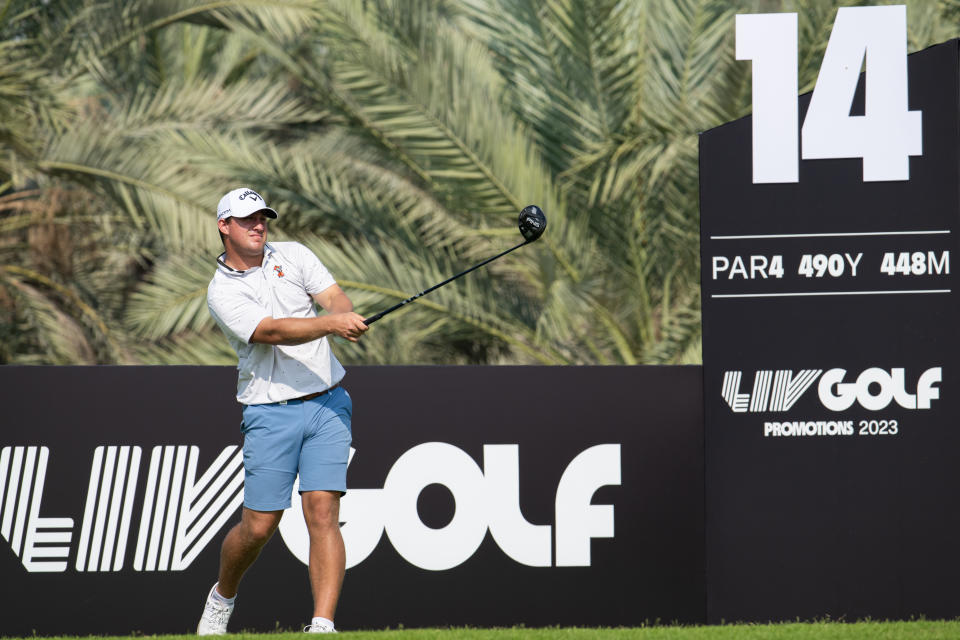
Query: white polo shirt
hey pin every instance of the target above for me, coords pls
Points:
(280, 288)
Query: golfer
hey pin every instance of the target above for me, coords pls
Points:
(296, 417)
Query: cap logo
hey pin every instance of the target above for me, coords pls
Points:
(252, 194)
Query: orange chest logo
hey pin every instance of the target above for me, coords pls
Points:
(279, 271)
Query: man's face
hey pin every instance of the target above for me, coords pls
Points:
(246, 235)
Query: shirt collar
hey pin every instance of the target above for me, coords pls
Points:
(230, 271)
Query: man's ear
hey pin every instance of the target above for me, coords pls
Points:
(223, 225)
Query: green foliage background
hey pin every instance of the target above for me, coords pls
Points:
(398, 139)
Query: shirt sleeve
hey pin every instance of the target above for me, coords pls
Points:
(316, 277)
(236, 312)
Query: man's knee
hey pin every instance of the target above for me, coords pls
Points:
(259, 526)
(321, 509)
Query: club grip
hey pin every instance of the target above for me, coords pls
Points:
(369, 321)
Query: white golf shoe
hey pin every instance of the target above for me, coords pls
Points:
(215, 616)
(316, 627)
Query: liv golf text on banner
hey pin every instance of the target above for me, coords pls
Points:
(829, 246)
(485, 496)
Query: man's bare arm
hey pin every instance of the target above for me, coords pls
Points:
(340, 320)
(291, 331)
(333, 299)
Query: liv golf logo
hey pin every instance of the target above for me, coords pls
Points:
(873, 389)
(183, 509)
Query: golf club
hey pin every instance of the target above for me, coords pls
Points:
(532, 224)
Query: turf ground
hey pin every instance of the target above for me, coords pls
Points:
(915, 630)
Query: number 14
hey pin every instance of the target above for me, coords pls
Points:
(884, 137)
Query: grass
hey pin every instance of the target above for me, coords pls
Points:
(913, 630)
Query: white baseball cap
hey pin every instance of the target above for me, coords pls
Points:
(241, 203)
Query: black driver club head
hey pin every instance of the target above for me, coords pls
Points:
(533, 222)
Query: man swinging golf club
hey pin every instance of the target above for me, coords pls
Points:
(296, 417)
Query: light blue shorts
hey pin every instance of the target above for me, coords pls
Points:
(309, 437)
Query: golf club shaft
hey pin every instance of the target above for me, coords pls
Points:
(377, 316)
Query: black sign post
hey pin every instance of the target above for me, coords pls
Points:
(830, 322)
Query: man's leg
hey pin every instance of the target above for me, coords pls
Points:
(242, 546)
(321, 510)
